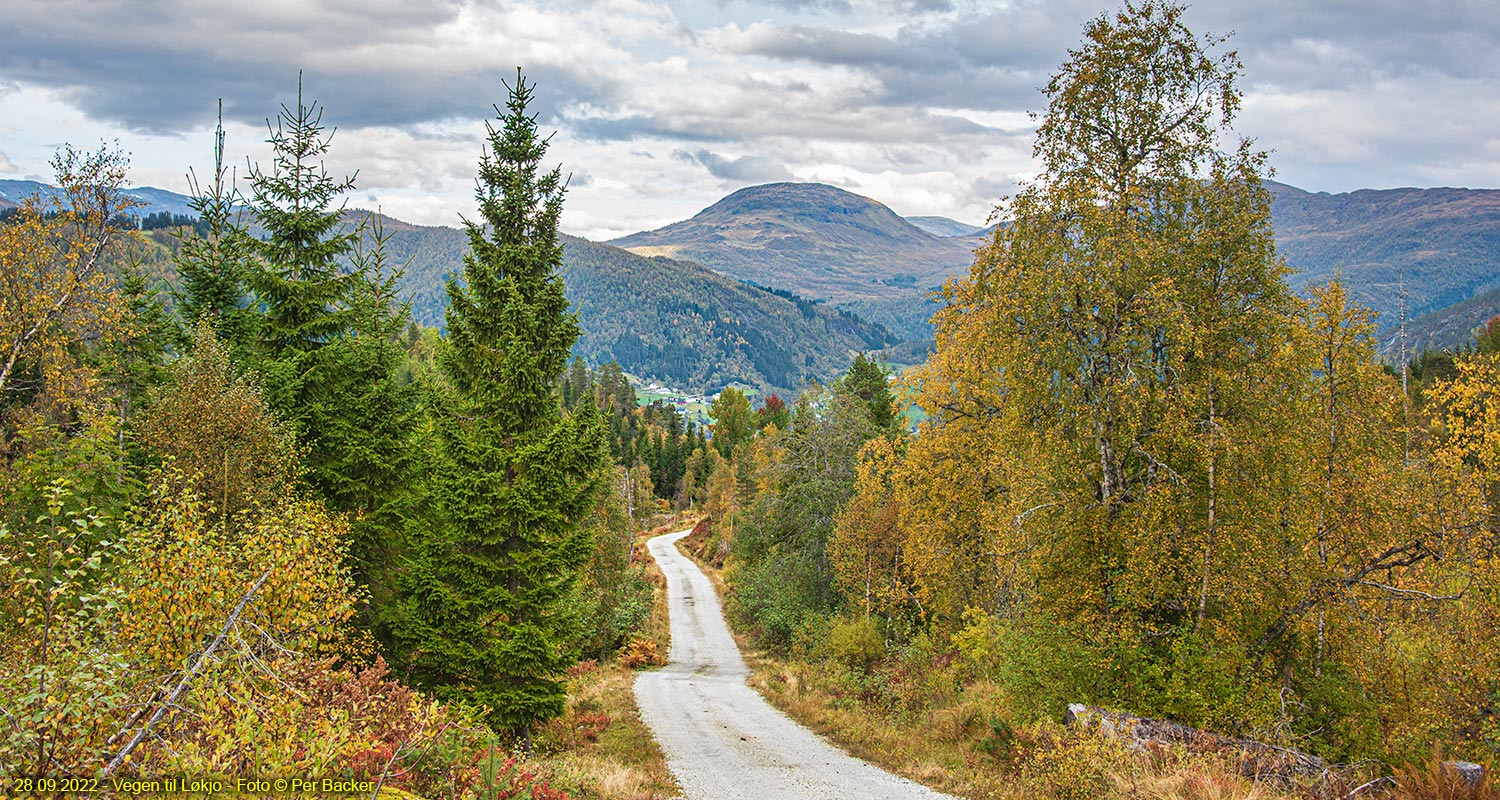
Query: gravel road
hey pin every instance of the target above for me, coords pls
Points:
(721, 739)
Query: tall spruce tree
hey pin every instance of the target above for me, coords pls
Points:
(326, 325)
(482, 613)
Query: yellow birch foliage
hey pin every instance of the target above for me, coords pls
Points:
(55, 289)
(216, 426)
(1145, 451)
(187, 572)
(1469, 427)
(865, 547)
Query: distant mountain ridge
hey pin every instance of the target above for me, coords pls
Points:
(670, 320)
(812, 241)
(1443, 244)
(821, 242)
(151, 200)
(945, 227)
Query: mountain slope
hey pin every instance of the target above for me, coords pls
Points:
(673, 321)
(1445, 241)
(1447, 328)
(813, 239)
(945, 227)
(150, 199)
(670, 320)
(826, 242)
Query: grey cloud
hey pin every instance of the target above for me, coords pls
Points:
(995, 61)
(755, 169)
(7, 167)
(638, 126)
(837, 6)
(828, 46)
(1000, 59)
(160, 67)
(844, 7)
(868, 123)
(1363, 40)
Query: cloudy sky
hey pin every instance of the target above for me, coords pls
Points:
(661, 107)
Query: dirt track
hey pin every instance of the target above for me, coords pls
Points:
(721, 739)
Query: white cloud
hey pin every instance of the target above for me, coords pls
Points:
(919, 103)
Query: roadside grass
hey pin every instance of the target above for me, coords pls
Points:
(944, 733)
(600, 749)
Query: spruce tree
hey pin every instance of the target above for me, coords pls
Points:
(482, 613)
(214, 258)
(327, 325)
(300, 279)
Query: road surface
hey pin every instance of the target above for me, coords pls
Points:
(722, 740)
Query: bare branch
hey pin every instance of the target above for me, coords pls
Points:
(187, 679)
(1411, 594)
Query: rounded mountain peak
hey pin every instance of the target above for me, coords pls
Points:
(790, 196)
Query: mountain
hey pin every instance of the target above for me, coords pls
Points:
(13, 192)
(1442, 244)
(944, 227)
(1447, 328)
(660, 318)
(818, 241)
(151, 199)
(822, 242)
(828, 243)
(664, 319)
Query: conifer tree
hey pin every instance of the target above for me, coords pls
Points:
(360, 410)
(734, 422)
(867, 380)
(299, 278)
(326, 331)
(213, 264)
(482, 612)
(137, 352)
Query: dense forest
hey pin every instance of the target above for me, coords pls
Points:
(1151, 477)
(266, 525)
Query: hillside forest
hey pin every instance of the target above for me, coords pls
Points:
(258, 522)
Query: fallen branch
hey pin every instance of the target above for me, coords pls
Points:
(182, 685)
(1378, 783)
(1255, 759)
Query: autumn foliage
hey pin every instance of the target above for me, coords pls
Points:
(1150, 476)
(200, 516)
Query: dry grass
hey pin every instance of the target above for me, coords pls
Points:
(600, 749)
(1433, 781)
(955, 748)
(1193, 784)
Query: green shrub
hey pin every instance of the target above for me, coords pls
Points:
(856, 643)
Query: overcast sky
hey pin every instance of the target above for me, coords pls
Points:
(662, 107)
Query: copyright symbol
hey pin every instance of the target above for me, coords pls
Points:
(280, 784)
